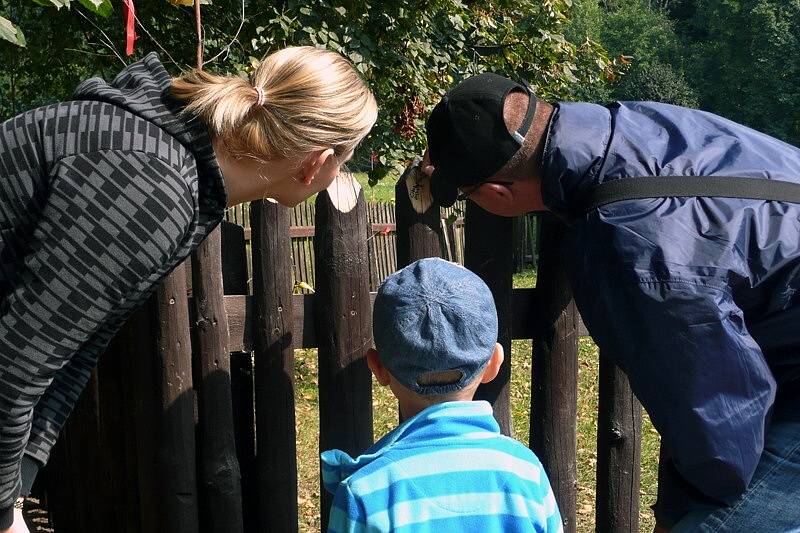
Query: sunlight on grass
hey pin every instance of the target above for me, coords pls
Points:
(386, 416)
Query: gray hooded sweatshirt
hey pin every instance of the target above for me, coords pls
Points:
(100, 198)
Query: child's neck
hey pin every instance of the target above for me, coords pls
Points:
(413, 404)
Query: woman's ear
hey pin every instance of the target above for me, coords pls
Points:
(312, 164)
(493, 366)
(377, 368)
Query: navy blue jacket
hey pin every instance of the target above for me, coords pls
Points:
(696, 299)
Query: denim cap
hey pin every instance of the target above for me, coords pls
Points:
(434, 316)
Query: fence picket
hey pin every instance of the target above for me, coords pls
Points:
(274, 368)
(342, 313)
(554, 374)
(489, 253)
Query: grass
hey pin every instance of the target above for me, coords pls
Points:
(383, 191)
(385, 419)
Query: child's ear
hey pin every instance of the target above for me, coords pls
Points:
(493, 366)
(377, 368)
(312, 165)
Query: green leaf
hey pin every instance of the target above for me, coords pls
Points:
(10, 32)
(98, 7)
(50, 3)
(341, 10)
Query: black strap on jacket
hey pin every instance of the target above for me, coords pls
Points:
(688, 186)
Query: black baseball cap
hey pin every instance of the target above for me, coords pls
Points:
(468, 140)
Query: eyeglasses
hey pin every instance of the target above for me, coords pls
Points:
(464, 194)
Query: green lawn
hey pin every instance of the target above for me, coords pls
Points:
(385, 419)
(383, 191)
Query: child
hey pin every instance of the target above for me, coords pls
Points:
(447, 468)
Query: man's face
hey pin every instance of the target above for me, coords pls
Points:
(508, 198)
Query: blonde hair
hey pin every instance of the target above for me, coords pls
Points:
(312, 99)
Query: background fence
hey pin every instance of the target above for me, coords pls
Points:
(382, 240)
(185, 428)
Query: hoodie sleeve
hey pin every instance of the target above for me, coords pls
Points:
(694, 366)
(110, 224)
(347, 512)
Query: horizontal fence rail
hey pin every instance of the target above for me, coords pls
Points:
(240, 319)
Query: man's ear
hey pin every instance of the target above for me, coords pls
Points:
(377, 368)
(312, 164)
(500, 199)
(496, 192)
(493, 366)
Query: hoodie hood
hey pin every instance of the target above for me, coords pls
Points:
(143, 88)
(456, 421)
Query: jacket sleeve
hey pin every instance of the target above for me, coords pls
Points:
(692, 363)
(98, 247)
(347, 512)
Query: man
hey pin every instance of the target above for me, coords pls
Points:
(689, 284)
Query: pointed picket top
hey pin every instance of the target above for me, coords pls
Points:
(343, 192)
(419, 187)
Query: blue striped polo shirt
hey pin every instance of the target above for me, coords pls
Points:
(447, 469)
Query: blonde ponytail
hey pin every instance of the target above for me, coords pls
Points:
(312, 99)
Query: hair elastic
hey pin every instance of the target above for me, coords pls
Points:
(262, 97)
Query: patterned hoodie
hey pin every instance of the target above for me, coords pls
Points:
(100, 198)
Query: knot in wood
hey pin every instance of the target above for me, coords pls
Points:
(617, 436)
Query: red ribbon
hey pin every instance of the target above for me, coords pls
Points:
(130, 25)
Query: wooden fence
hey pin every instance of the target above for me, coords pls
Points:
(382, 240)
(186, 429)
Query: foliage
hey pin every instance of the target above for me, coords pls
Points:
(642, 34)
(12, 33)
(743, 57)
(409, 51)
(656, 81)
(735, 58)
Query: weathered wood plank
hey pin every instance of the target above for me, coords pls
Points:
(419, 234)
(220, 481)
(619, 447)
(555, 373)
(342, 313)
(273, 325)
(165, 423)
(488, 253)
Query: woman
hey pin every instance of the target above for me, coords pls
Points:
(102, 196)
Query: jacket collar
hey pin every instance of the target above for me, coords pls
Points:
(574, 151)
(458, 421)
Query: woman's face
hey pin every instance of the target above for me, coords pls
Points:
(296, 180)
